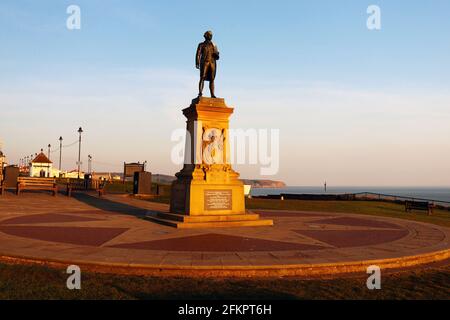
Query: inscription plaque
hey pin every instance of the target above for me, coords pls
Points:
(218, 200)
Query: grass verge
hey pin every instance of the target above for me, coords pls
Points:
(37, 282)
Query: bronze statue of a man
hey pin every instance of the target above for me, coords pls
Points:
(205, 60)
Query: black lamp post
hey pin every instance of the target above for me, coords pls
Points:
(60, 153)
(89, 164)
(49, 147)
(80, 131)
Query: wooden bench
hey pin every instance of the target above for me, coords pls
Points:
(419, 205)
(98, 186)
(37, 184)
(78, 184)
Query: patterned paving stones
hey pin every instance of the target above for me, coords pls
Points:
(213, 242)
(110, 235)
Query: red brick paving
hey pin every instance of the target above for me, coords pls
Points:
(354, 222)
(354, 238)
(213, 242)
(85, 236)
(290, 214)
(46, 218)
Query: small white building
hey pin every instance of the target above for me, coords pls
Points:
(42, 167)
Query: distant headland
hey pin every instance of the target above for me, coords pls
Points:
(255, 183)
(167, 179)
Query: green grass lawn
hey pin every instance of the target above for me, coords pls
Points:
(37, 282)
(119, 187)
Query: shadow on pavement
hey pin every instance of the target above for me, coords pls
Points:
(111, 206)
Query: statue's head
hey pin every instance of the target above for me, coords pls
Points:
(208, 35)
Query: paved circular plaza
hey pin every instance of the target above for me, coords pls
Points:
(111, 234)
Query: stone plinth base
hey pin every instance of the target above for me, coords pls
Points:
(208, 192)
(214, 221)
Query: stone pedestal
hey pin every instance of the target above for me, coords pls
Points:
(208, 192)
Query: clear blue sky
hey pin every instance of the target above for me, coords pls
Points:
(353, 105)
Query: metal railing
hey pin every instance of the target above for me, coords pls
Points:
(390, 197)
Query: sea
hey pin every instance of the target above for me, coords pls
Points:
(441, 194)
